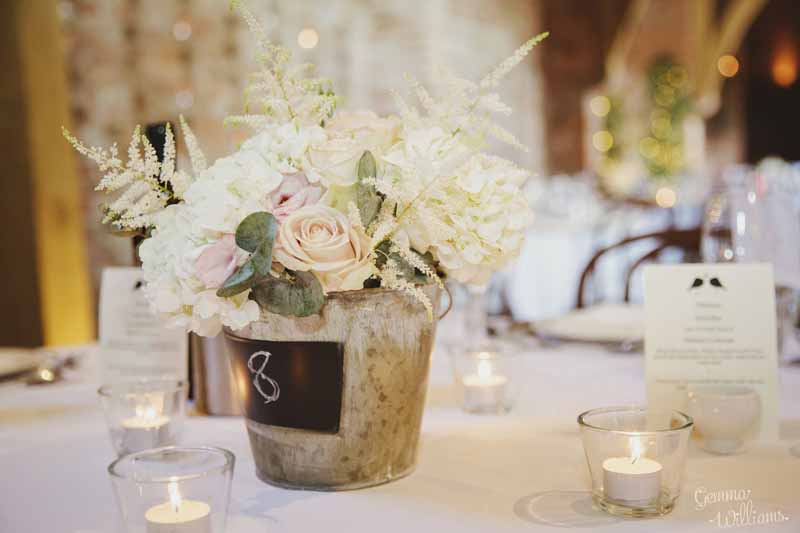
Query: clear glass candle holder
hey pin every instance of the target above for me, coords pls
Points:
(636, 458)
(485, 380)
(173, 489)
(143, 414)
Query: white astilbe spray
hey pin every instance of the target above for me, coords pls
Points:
(466, 107)
(354, 215)
(448, 197)
(196, 156)
(391, 278)
(416, 261)
(144, 186)
(279, 93)
(494, 78)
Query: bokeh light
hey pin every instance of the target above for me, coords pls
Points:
(784, 66)
(308, 38)
(181, 30)
(600, 105)
(666, 197)
(603, 140)
(184, 99)
(728, 66)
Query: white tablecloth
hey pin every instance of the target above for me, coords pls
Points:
(521, 472)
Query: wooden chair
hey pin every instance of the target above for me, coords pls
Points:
(687, 240)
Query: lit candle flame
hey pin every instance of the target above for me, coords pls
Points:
(174, 496)
(147, 412)
(484, 369)
(151, 407)
(636, 450)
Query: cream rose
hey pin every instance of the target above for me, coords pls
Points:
(349, 135)
(320, 239)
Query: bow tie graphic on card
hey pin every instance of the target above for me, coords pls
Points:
(257, 370)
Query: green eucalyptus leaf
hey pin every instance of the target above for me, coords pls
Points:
(241, 280)
(255, 229)
(366, 166)
(367, 198)
(256, 234)
(302, 296)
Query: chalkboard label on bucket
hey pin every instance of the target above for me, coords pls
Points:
(289, 384)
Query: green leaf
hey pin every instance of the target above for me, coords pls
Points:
(302, 296)
(367, 198)
(256, 234)
(366, 166)
(255, 229)
(241, 280)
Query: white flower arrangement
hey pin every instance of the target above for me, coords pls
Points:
(320, 200)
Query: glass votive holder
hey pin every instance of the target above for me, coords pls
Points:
(636, 457)
(485, 380)
(725, 416)
(143, 414)
(173, 489)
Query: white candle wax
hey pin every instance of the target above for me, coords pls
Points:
(484, 390)
(178, 515)
(631, 479)
(144, 431)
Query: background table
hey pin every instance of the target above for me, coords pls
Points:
(521, 472)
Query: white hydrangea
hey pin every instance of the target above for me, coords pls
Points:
(427, 152)
(473, 221)
(214, 204)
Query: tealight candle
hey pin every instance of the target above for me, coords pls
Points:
(634, 479)
(178, 515)
(148, 429)
(143, 414)
(484, 390)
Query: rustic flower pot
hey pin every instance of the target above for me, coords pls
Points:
(334, 401)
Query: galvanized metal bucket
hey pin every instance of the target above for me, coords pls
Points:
(335, 401)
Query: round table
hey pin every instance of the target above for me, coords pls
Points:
(524, 471)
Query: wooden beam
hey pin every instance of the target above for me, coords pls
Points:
(737, 19)
(624, 40)
(63, 276)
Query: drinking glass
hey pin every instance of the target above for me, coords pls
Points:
(753, 216)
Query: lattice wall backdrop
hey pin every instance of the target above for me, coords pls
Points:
(138, 61)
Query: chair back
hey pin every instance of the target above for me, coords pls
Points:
(687, 240)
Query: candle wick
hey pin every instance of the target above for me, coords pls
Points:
(635, 458)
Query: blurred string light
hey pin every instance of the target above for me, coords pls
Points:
(728, 65)
(181, 30)
(600, 105)
(666, 197)
(608, 139)
(662, 148)
(308, 38)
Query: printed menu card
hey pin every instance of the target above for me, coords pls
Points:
(134, 343)
(711, 325)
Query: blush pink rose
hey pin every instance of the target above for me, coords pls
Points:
(320, 239)
(217, 262)
(294, 192)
